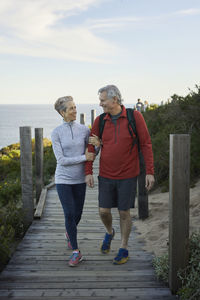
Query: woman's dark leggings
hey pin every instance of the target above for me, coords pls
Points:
(72, 197)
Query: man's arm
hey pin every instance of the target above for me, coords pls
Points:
(89, 179)
(91, 148)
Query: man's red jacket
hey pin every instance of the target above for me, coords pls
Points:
(118, 160)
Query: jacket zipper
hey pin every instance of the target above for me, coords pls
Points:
(71, 131)
(117, 127)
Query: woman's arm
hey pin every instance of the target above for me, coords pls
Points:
(58, 152)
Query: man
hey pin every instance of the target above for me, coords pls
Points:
(119, 166)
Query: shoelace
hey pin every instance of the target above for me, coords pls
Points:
(74, 256)
(120, 255)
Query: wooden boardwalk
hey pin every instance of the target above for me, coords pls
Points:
(39, 268)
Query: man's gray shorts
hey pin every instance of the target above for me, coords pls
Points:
(117, 192)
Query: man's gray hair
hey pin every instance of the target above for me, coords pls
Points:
(112, 91)
(61, 103)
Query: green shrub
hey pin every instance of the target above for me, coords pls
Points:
(6, 239)
(190, 276)
(10, 191)
(180, 116)
(11, 229)
(11, 213)
(161, 265)
(49, 162)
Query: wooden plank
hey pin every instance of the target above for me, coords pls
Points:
(50, 185)
(143, 297)
(92, 278)
(84, 284)
(41, 203)
(87, 292)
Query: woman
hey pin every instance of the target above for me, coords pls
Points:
(69, 142)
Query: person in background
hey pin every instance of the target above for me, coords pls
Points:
(139, 105)
(146, 105)
(119, 166)
(69, 142)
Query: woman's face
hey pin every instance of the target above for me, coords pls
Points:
(70, 113)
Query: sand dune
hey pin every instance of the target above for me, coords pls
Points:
(155, 229)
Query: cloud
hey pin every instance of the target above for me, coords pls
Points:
(113, 22)
(37, 28)
(188, 12)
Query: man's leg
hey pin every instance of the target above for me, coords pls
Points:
(125, 225)
(106, 218)
(107, 195)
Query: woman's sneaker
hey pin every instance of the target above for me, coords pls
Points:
(75, 259)
(68, 241)
(105, 248)
(121, 257)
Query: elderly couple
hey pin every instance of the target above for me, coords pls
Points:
(75, 148)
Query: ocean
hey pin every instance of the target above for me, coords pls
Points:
(36, 116)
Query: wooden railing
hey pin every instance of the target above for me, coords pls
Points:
(179, 187)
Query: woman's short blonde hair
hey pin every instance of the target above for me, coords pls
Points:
(61, 103)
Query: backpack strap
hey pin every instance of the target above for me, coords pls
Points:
(101, 124)
(132, 125)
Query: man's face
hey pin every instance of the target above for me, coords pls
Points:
(106, 103)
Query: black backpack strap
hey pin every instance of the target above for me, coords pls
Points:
(132, 125)
(101, 124)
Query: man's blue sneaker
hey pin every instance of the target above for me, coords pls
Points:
(121, 257)
(105, 248)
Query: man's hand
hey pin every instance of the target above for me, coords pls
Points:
(89, 180)
(90, 156)
(149, 181)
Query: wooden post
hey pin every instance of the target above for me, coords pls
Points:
(143, 207)
(93, 116)
(82, 118)
(179, 190)
(38, 161)
(26, 174)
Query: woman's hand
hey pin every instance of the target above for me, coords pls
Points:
(90, 156)
(94, 140)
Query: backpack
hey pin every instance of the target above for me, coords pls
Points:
(131, 125)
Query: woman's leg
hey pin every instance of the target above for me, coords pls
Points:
(79, 199)
(66, 195)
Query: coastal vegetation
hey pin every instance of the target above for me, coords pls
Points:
(11, 214)
(190, 276)
(180, 116)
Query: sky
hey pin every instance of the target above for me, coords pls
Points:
(150, 49)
